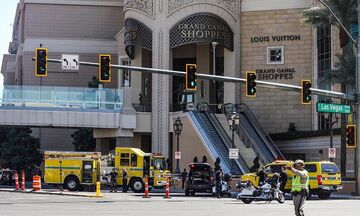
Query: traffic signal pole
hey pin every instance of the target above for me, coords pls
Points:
(288, 87)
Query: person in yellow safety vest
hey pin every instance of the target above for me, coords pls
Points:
(300, 186)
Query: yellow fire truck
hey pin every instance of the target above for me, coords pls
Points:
(74, 169)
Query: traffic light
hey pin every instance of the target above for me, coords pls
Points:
(41, 62)
(191, 77)
(250, 84)
(351, 136)
(104, 68)
(306, 92)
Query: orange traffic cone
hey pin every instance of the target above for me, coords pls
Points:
(167, 189)
(16, 181)
(23, 180)
(146, 195)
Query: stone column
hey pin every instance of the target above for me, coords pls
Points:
(160, 83)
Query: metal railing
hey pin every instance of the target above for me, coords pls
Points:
(51, 97)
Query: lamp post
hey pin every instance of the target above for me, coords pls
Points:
(233, 121)
(177, 128)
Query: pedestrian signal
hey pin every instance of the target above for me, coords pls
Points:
(41, 62)
(104, 68)
(191, 77)
(351, 136)
(250, 84)
(306, 92)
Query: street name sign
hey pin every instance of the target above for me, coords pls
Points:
(234, 153)
(333, 108)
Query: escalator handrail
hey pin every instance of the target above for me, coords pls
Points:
(223, 135)
(254, 121)
(229, 108)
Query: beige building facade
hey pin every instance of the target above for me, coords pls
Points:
(222, 37)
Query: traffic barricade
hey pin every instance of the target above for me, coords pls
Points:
(36, 183)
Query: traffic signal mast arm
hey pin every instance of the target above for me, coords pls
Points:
(259, 83)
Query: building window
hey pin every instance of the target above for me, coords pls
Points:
(126, 79)
(324, 52)
(275, 55)
(324, 66)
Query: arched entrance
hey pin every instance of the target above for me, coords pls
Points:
(200, 39)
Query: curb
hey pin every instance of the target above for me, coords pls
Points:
(54, 193)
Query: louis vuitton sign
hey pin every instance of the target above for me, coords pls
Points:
(201, 28)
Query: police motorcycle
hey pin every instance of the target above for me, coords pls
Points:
(268, 191)
(225, 187)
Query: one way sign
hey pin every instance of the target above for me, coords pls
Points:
(70, 62)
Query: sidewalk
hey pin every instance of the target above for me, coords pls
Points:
(54, 192)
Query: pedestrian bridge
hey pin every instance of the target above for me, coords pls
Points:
(44, 106)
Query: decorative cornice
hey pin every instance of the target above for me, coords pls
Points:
(145, 6)
(232, 6)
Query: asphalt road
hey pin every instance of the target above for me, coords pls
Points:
(12, 204)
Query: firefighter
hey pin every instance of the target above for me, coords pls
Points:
(300, 186)
(113, 176)
(125, 180)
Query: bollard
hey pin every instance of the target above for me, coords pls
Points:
(16, 181)
(36, 183)
(23, 180)
(146, 195)
(98, 190)
(167, 189)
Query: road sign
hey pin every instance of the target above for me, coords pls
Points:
(332, 152)
(177, 155)
(70, 62)
(234, 153)
(333, 108)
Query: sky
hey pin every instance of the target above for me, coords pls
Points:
(7, 11)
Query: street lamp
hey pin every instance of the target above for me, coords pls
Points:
(233, 121)
(177, 128)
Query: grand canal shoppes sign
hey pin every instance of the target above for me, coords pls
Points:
(202, 28)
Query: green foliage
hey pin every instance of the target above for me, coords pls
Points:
(18, 149)
(346, 11)
(94, 83)
(83, 140)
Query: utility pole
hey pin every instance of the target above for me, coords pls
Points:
(357, 151)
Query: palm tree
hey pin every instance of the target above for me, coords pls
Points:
(345, 66)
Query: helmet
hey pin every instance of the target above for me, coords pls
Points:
(298, 161)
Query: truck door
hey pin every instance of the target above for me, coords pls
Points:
(146, 166)
(87, 171)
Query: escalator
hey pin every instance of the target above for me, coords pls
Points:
(216, 139)
(253, 135)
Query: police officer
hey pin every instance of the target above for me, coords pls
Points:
(183, 178)
(218, 178)
(300, 186)
(125, 179)
(113, 176)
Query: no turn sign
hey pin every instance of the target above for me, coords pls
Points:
(332, 152)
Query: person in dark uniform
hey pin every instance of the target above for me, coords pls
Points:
(113, 176)
(218, 178)
(125, 176)
(183, 178)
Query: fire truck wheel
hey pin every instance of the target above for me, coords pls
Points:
(72, 183)
(137, 185)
